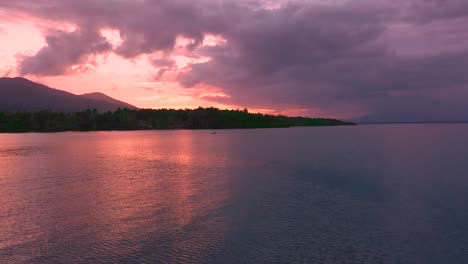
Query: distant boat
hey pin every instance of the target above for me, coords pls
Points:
(212, 133)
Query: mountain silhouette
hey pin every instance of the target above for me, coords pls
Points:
(22, 95)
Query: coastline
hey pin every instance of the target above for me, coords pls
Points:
(152, 119)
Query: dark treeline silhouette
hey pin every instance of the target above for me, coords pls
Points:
(127, 119)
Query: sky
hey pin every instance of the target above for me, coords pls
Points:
(361, 60)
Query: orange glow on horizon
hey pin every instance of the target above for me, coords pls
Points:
(133, 81)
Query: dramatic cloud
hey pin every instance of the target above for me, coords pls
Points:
(144, 26)
(64, 50)
(282, 55)
(365, 60)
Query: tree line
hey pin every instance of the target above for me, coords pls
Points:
(127, 119)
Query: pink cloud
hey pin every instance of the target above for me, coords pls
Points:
(354, 59)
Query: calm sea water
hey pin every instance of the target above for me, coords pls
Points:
(364, 194)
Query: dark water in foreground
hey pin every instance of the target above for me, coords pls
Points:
(365, 194)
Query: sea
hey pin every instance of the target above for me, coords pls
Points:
(353, 194)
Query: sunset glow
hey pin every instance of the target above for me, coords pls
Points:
(233, 131)
(270, 56)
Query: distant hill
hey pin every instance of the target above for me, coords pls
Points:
(22, 95)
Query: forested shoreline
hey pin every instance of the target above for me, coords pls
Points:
(147, 119)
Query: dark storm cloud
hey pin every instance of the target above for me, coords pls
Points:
(63, 50)
(281, 54)
(338, 57)
(334, 58)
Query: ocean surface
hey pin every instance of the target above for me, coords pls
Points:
(361, 194)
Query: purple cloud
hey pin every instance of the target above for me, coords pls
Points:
(385, 61)
(426, 11)
(64, 50)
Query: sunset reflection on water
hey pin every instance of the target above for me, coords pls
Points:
(114, 188)
(363, 194)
